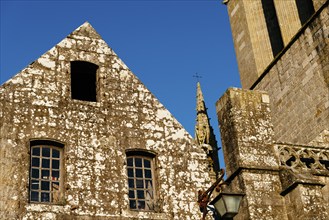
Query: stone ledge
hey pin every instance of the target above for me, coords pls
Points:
(291, 180)
(252, 169)
(143, 215)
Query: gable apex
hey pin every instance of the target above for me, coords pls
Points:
(86, 30)
(47, 82)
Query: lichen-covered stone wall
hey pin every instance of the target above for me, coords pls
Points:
(255, 167)
(307, 202)
(252, 166)
(246, 130)
(37, 104)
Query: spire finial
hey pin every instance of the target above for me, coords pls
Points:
(197, 76)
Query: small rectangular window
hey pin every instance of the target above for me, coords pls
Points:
(46, 173)
(83, 81)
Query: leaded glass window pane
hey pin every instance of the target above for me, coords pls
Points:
(55, 153)
(35, 162)
(45, 163)
(46, 152)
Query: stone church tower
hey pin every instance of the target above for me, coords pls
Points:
(275, 131)
(82, 138)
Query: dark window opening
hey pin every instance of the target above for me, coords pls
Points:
(305, 10)
(273, 27)
(83, 81)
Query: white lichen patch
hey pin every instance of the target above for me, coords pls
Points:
(193, 166)
(129, 125)
(116, 66)
(46, 62)
(16, 80)
(66, 43)
(101, 58)
(48, 216)
(53, 52)
(99, 157)
(149, 143)
(125, 75)
(61, 57)
(179, 134)
(163, 114)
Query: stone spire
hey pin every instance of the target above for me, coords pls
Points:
(204, 133)
(202, 122)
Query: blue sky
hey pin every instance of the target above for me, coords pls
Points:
(164, 43)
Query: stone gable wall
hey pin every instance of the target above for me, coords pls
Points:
(36, 104)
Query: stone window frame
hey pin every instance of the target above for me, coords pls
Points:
(51, 185)
(134, 191)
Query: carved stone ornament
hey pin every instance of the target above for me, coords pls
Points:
(303, 157)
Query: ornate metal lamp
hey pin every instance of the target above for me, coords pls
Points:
(226, 203)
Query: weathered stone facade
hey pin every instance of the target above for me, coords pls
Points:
(261, 29)
(278, 182)
(298, 84)
(36, 104)
(275, 136)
